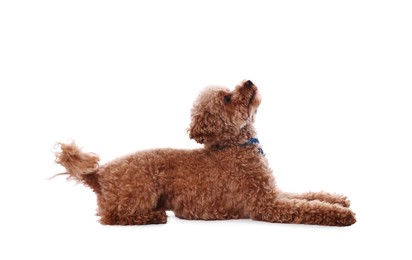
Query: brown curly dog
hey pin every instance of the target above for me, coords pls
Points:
(229, 178)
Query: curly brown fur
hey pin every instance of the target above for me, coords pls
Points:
(80, 166)
(228, 178)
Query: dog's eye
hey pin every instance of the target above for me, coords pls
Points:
(227, 99)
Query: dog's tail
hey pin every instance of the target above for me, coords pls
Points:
(80, 166)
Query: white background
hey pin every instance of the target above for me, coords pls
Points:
(121, 76)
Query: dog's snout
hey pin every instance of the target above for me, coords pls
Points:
(249, 84)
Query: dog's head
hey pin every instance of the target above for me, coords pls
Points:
(221, 117)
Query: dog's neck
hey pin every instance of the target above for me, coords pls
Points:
(251, 142)
(246, 137)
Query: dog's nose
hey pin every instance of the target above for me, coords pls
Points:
(249, 84)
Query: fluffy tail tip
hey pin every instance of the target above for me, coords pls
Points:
(76, 162)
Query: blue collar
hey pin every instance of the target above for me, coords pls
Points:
(253, 141)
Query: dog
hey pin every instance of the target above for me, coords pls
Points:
(228, 178)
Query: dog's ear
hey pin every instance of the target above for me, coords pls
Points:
(204, 127)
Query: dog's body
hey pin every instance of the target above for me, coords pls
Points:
(227, 179)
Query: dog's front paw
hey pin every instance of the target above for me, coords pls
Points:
(346, 218)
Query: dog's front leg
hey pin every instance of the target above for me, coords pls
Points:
(284, 210)
(321, 196)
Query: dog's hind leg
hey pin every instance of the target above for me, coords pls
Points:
(136, 204)
(321, 196)
(133, 210)
(151, 217)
